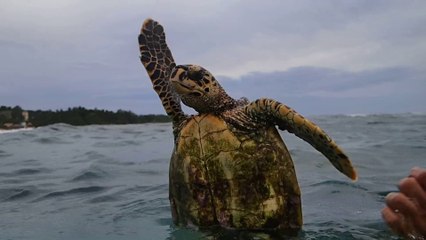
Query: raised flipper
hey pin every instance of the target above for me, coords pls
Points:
(158, 62)
(271, 111)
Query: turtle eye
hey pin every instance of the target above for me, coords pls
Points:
(182, 76)
(196, 75)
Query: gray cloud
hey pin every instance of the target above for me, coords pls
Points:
(319, 56)
(312, 90)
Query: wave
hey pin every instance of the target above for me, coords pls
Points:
(30, 171)
(74, 191)
(20, 193)
(5, 154)
(51, 140)
(339, 183)
(383, 114)
(106, 198)
(88, 175)
(59, 127)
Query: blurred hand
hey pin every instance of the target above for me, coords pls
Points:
(405, 211)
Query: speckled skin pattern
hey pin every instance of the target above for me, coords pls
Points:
(229, 167)
(158, 62)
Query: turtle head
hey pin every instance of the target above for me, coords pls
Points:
(198, 89)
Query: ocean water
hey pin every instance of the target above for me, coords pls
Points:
(111, 182)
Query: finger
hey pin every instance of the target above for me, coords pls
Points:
(401, 203)
(420, 226)
(393, 220)
(412, 189)
(420, 175)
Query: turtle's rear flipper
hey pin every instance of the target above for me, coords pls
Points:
(287, 119)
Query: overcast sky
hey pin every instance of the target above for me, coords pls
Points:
(319, 57)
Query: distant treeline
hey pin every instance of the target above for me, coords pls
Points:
(75, 116)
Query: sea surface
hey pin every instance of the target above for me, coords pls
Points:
(111, 182)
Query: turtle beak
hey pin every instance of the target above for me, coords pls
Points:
(185, 81)
(177, 80)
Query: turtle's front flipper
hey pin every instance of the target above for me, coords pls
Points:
(270, 111)
(158, 62)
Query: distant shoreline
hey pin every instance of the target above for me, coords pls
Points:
(17, 118)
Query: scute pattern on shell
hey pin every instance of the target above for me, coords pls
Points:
(220, 175)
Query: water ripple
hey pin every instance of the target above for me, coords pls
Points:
(88, 175)
(50, 140)
(103, 199)
(21, 193)
(14, 194)
(74, 191)
(5, 154)
(31, 171)
(143, 207)
(338, 183)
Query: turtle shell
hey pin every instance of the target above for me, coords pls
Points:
(224, 176)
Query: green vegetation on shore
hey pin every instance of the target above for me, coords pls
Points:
(75, 116)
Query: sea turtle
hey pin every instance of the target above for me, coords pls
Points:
(229, 167)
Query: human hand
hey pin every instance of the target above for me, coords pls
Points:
(405, 211)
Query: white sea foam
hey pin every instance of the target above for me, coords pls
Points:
(3, 131)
